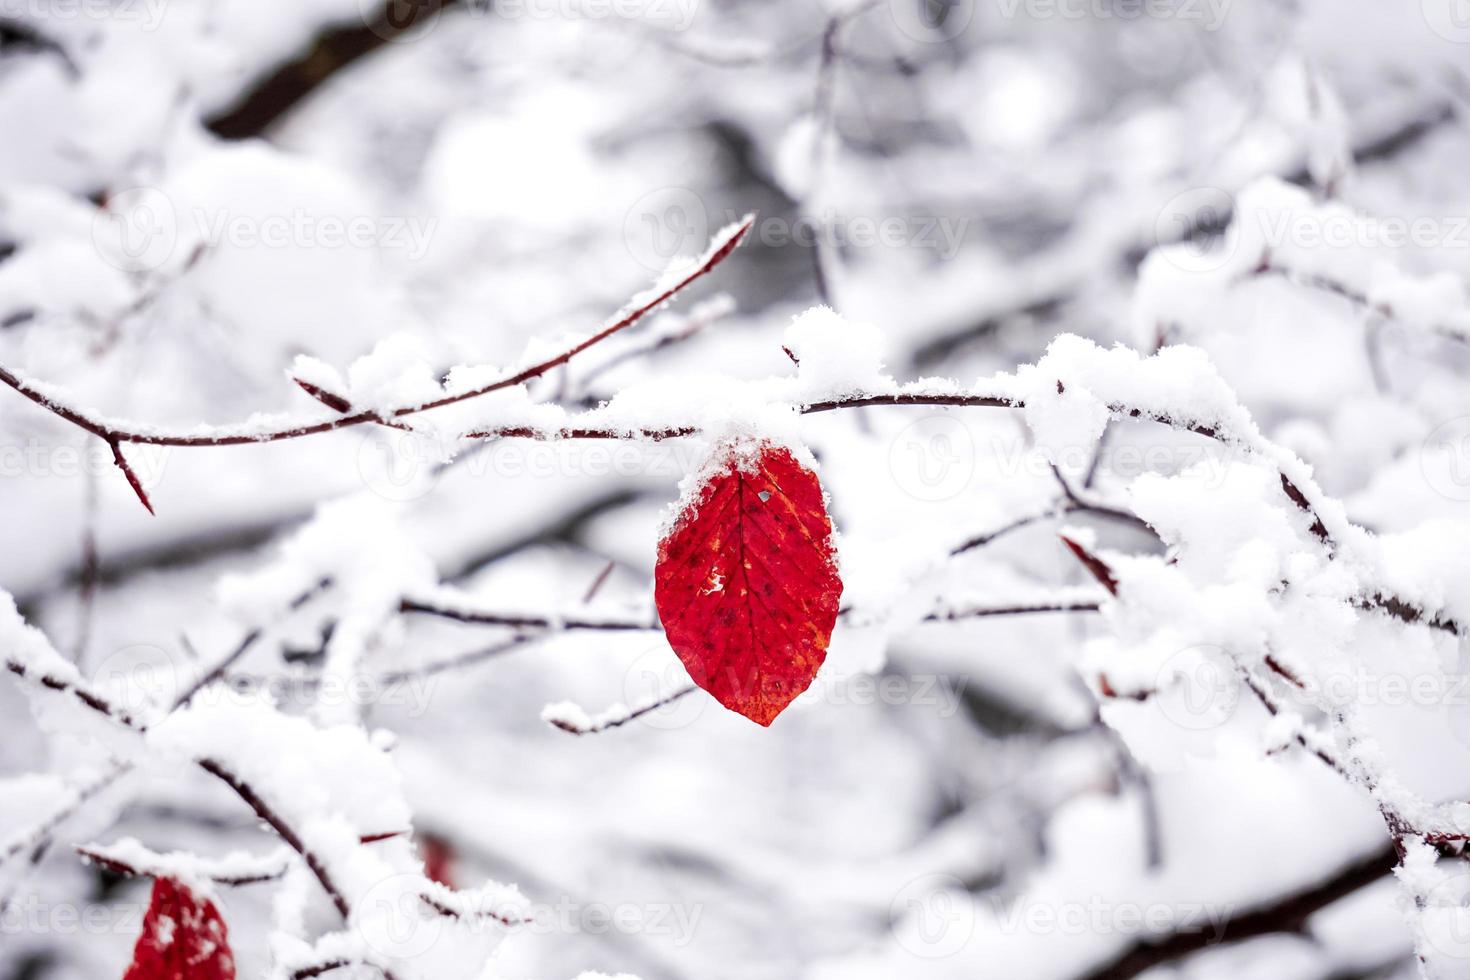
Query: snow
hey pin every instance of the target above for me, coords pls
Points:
(835, 357)
(466, 203)
(198, 874)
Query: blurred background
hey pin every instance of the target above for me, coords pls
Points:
(194, 192)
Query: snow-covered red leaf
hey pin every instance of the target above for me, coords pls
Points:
(746, 585)
(184, 938)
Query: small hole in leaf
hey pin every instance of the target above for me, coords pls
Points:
(765, 495)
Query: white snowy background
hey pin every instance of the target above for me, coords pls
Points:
(1248, 763)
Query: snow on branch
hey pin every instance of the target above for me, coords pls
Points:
(117, 432)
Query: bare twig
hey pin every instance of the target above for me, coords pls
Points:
(488, 617)
(1458, 332)
(1015, 609)
(621, 718)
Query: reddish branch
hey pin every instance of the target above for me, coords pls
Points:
(1095, 566)
(282, 829)
(219, 770)
(521, 620)
(1377, 602)
(120, 867)
(115, 436)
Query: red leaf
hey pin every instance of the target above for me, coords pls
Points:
(746, 585)
(438, 860)
(183, 938)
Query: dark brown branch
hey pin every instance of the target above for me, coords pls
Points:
(1294, 493)
(1408, 613)
(241, 648)
(282, 829)
(1288, 914)
(986, 537)
(88, 698)
(332, 50)
(1352, 294)
(320, 969)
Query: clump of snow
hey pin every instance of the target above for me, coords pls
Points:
(1435, 302)
(572, 716)
(200, 874)
(1073, 390)
(835, 356)
(333, 546)
(24, 645)
(395, 374)
(315, 371)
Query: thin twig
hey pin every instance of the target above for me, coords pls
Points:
(116, 434)
(619, 720)
(488, 617)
